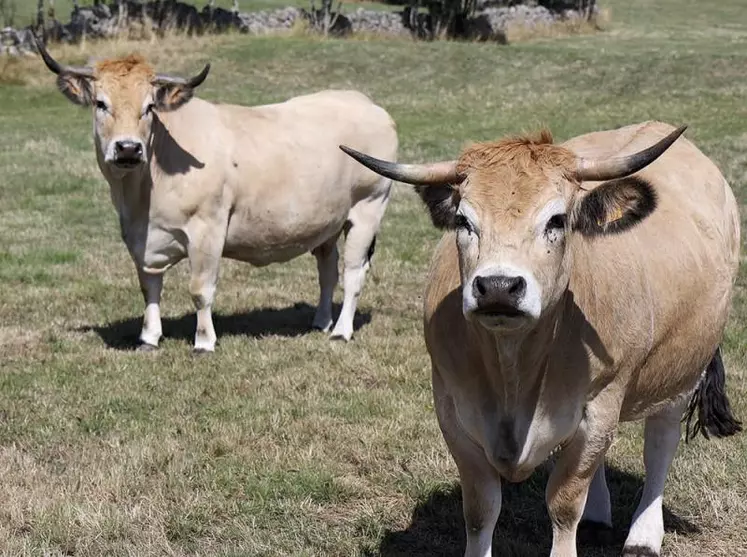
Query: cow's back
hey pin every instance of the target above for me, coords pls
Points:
(275, 170)
(292, 187)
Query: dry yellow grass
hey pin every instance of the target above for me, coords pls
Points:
(282, 443)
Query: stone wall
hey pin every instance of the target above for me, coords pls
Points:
(107, 20)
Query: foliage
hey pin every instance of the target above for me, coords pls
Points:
(8, 12)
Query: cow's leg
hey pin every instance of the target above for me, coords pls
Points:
(569, 482)
(596, 522)
(481, 484)
(662, 435)
(204, 262)
(598, 509)
(363, 224)
(151, 286)
(326, 263)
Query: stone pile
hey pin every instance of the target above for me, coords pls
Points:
(103, 21)
(16, 42)
(389, 23)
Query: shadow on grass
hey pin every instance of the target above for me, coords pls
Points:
(523, 530)
(291, 321)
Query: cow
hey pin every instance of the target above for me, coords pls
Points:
(576, 286)
(189, 178)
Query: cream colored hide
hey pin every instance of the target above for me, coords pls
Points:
(265, 184)
(583, 324)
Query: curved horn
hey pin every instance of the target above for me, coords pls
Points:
(58, 68)
(192, 82)
(618, 167)
(438, 173)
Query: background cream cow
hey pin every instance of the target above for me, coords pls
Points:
(194, 179)
(553, 313)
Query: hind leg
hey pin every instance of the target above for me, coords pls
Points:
(326, 263)
(662, 435)
(598, 508)
(364, 221)
(204, 261)
(596, 521)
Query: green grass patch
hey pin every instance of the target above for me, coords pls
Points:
(282, 443)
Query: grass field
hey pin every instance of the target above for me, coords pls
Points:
(282, 443)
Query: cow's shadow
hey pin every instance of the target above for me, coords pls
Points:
(291, 321)
(437, 527)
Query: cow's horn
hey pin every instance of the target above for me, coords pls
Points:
(433, 174)
(192, 82)
(618, 167)
(58, 68)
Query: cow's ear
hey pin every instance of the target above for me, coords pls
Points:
(78, 89)
(170, 96)
(614, 206)
(442, 203)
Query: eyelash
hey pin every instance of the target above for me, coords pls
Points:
(101, 105)
(460, 221)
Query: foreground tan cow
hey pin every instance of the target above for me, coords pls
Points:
(552, 313)
(265, 184)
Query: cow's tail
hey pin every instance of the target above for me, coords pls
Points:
(709, 405)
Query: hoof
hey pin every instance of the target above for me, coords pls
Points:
(339, 337)
(639, 551)
(320, 325)
(597, 534)
(201, 351)
(145, 347)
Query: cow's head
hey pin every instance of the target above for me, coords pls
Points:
(123, 94)
(513, 205)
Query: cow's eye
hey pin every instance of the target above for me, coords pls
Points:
(556, 222)
(101, 105)
(461, 222)
(148, 109)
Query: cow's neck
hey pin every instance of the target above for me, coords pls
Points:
(130, 194)
(521, 359)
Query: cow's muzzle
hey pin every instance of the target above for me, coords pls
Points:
(128, 153)
(498, 296)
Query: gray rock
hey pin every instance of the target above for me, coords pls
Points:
(102, 21)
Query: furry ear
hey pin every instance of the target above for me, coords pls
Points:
(76, 88)
(171, 96)
(614, 206)
(442, 203)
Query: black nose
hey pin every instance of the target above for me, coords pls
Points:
(498, 294)
(128, 150)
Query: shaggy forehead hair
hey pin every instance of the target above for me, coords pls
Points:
(132, 66)
(522, 155)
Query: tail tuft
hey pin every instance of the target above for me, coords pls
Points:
(714, 417)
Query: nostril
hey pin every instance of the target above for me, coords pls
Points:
(138, 148)
(517, 287)
(480, 285)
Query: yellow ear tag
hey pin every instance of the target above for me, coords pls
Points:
(616, 215)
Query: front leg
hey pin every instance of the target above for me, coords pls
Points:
(204, 261)
(151, 286)
(568, 485)
(481, 483)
